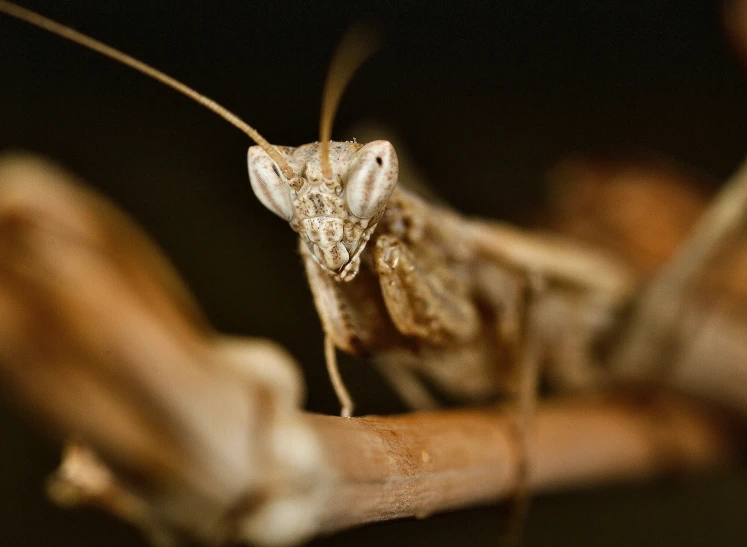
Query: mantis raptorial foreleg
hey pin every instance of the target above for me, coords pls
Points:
(352, 314)
(423, 302)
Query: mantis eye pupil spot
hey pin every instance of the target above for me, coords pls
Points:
(378, 160)
(277, 171)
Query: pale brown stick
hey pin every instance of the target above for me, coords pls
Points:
(423, 463)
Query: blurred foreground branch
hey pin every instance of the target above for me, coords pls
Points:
(188, 433)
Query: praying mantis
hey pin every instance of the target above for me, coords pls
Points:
(410, 283)
(427, 292)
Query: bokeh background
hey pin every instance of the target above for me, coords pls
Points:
(486, 96)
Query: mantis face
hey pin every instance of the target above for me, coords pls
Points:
(335, 216)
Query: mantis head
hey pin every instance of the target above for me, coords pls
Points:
(335, 204)
(331, 193)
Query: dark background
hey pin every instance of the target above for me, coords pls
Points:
(487, 97)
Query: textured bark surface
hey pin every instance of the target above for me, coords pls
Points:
(422, 463)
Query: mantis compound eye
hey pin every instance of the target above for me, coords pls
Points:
(268, 185)
(371, 179)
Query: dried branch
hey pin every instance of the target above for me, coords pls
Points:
(419, 464)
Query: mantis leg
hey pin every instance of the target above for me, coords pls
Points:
(424, 302)
(437, 312)
(652, 328)
(520, 303)
(343, 395)
(407, 384)
(531, 354)
(352, 316)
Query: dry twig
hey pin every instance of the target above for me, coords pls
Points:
(419, 464)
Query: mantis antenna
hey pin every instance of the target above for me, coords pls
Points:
(356, 46)
(33, 18)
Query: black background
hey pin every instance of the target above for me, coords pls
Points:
(486, 96)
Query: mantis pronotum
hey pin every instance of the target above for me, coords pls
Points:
(486, 287)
